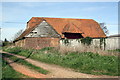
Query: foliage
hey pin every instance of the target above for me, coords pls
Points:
(102, 41)
(6, 40)
(86, 40)
(46, 48)
(18, 34)
(6, 43)
(82, 62)
(13, 50)
(79, 40)
(116, 50)
(104, 28)
(66, 41)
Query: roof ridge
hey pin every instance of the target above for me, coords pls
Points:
(63, 18)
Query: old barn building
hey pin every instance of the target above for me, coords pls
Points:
(46, 32)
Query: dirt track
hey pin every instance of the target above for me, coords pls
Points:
(24, 70)
(60, 72)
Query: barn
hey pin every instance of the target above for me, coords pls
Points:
(47, 32)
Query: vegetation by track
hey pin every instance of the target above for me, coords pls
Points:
(9, 73)
(86, 62)
(23, 62)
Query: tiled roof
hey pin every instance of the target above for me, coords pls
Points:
(88, 27)
(71, 28)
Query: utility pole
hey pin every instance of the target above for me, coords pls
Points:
(0, 39)
(0, 55)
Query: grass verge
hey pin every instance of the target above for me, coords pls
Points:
(116, 50)
(86, 62)
(23, 62)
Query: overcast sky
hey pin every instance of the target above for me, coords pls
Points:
(16, 14)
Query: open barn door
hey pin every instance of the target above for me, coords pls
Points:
(72, 35)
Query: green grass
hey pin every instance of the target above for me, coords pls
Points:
(116, 50)
(9, 72)
(86, 62)
(23, 62)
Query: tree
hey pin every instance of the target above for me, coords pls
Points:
(18, 34)
(5, 42)
(104, 28)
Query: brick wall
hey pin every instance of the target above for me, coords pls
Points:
(20, 43)
(38, 43)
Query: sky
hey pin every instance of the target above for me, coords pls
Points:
(14, 15)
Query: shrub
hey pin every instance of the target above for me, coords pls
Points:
(46, 48)
(86, 40)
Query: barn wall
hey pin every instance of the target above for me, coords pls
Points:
(75, 45)
(112, 43)
(38, 43)
(20, 43)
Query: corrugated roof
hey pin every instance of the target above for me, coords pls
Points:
(115, 35)
(88, 27)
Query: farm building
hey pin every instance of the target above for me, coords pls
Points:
(46, 32)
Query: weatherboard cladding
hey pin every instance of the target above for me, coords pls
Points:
(43, 30)
(87, 27)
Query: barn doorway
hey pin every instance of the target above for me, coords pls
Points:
(73, 35)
